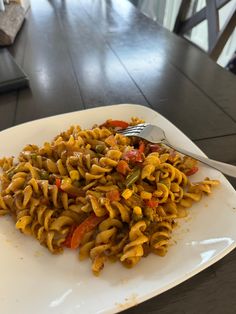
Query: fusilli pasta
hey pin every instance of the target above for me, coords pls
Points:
(113, 197)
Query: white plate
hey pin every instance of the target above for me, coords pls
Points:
(34, 281)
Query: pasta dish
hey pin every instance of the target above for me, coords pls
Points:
(112, 197)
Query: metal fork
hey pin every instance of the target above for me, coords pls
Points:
(156, 135)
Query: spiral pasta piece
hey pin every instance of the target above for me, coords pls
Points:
(159, 240)
(133, 251)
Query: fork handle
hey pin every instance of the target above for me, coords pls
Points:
(227, 169)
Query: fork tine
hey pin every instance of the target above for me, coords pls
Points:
(140, 126)
(133, 129)
(130, 130)
(130, 133)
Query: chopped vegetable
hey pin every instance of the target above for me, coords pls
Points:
(137, 213)
(146, 195)
(151, 203)
(127, 193)
(133, 176)
(121, 185)
(113, 195)
(87, 225)
(100, 148)
(188, 162)
(122, 167)
(137, 210)
(133, 155)
(118, 123)
(141, 147)
(44, 175)
(67, 242)
(191, 171)
(58, 183)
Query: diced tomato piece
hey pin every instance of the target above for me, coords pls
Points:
(58, 183)
(133, 155)
(141, 147)
(87, 225)
(113, 195)
(152, 203)
(118, 123)
(122, 167)
(191, 171)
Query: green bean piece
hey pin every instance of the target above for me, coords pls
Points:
(100, 148)
(133, 176)
(44, 175)
(120, 185)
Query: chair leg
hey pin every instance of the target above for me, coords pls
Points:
(223, 36)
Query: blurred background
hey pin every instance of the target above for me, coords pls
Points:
(165, 12)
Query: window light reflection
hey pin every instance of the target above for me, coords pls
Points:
(229, 241)
(206, 256)
(103, 65)
(61, 299)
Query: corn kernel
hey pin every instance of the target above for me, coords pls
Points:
(127, 193)
(137, 211)
(66, 181)
(146, 195)
(74, 175)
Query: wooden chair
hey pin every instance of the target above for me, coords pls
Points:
(216, 38)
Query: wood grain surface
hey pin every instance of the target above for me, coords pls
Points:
(83, 53)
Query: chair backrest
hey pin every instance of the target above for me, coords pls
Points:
(216, 38)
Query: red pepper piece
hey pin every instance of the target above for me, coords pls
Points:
(141, 147)
(191, 171)
(113, 195)
(152, 203)
(58, 183)
(67, 242)
(118, 124)
(87, 225)
(122, 167)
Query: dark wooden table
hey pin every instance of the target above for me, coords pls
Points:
(86, 53)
